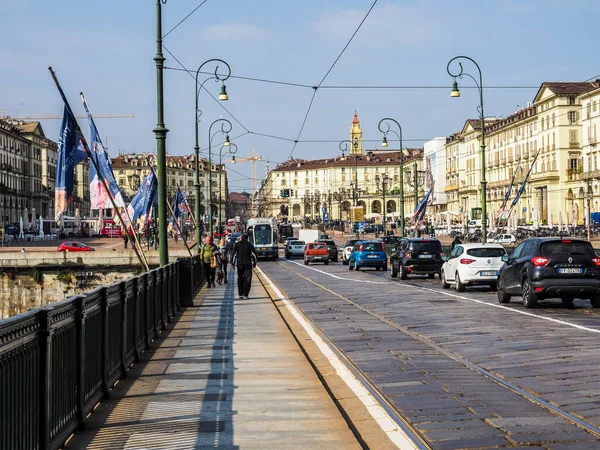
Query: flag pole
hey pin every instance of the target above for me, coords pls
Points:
(191, 215)
(110, 194)
(87, 150)
(173, 214)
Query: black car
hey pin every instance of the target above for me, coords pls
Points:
(369, 228)
(416, 256)
(541, 268)
(333, 250)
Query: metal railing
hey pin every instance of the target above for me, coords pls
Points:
(58, 362)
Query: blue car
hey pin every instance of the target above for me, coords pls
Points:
(368, 254)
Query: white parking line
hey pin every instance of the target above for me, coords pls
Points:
(448, 294)
(379, 414)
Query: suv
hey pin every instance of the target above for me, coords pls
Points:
(417, 256)
(333, 250)
(542, 268)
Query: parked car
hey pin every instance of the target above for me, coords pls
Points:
(417, 256)
(541, 268)
(369, 228)
(368, 254)
(390, 243)
(294, 248)
(472, 264)
(323, 237)
(348, 247)
(74, 247)
(333, 250)
(507, 239)
(316, 252)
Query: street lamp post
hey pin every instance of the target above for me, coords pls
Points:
(223, 97)
(232, 150)
(225, 129)
(384, 143)
(417, 181)
(456, 93)
(343, 146)
(160, 133)
(384, 183)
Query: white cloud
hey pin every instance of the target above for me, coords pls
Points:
(235, 32)
(387, 24)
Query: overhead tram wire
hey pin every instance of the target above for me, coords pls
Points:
(326, 75)
(184, 19)
(206, 90)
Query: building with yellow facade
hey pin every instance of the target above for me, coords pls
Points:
(300, 188)
(559, 128)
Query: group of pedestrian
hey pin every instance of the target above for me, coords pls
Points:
(242, 256)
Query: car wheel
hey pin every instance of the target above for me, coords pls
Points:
(431, 275)
(493, 286)
(445, 284)
(384, 267)
(350, 266)
(595, 301)
(529, 297)
(503, 297)
(326, 263)
(403, 274)
(287, 255)
(344, 262)
(460, 287)
(393, 271)
(356, 266)
(306, 262)
(567, 301)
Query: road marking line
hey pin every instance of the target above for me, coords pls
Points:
(448, 294)
(379, 414)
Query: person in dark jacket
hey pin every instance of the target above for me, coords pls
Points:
(244, 258)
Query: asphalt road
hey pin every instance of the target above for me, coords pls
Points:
(466, 371)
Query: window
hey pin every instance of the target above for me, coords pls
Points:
(572, 100)
(594, 106)
(573, 163)
(572, 116)
(573, 138)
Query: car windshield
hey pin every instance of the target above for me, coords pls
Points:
(425, 246)
(262, 235)
(557, 248)
(390, 240)
(486, 252)
(317, 246)
(351, 243)
(329, 243)
(372, 246)
(297, 243)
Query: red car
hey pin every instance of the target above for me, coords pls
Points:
(74, 247)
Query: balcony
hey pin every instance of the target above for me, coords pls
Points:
(549, 175)
(453, 187)
(573, 144)
(574, 174)
(594, 174)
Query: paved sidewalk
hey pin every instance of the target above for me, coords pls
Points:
(229, 375)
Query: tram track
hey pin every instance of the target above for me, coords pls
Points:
(496, 378)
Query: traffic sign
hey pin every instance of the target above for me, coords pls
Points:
(361, 225)
(326, 217)
(358, 214)
(324, 210)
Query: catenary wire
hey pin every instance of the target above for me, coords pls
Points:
(184, 19)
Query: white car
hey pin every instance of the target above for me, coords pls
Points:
(294, 248)
(509, 239)
(347, 249)
(472, 264)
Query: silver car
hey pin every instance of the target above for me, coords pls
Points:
(294, 248)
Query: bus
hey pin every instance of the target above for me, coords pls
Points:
(285, 231)
(262, 233)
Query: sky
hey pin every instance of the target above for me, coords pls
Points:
(106, 50)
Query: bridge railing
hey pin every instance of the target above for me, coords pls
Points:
(58, 362)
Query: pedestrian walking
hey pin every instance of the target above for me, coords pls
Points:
(224, 249)
(209, 260)
(125, 239)
(244, 258)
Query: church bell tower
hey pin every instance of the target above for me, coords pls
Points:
(355, 137)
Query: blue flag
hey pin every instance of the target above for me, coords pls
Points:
(99, 198)
(71, 151)
(145, 198)
(419, 212)
(522, 187)
(178, 207)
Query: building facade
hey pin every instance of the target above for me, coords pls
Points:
(131, 169)
(327, 188)
(27, 171)
(553, 138)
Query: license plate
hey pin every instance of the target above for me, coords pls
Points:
(317, 257)
(263, 248)
(426, 256)
(488, 273)
(371, 256)
(570, 270)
